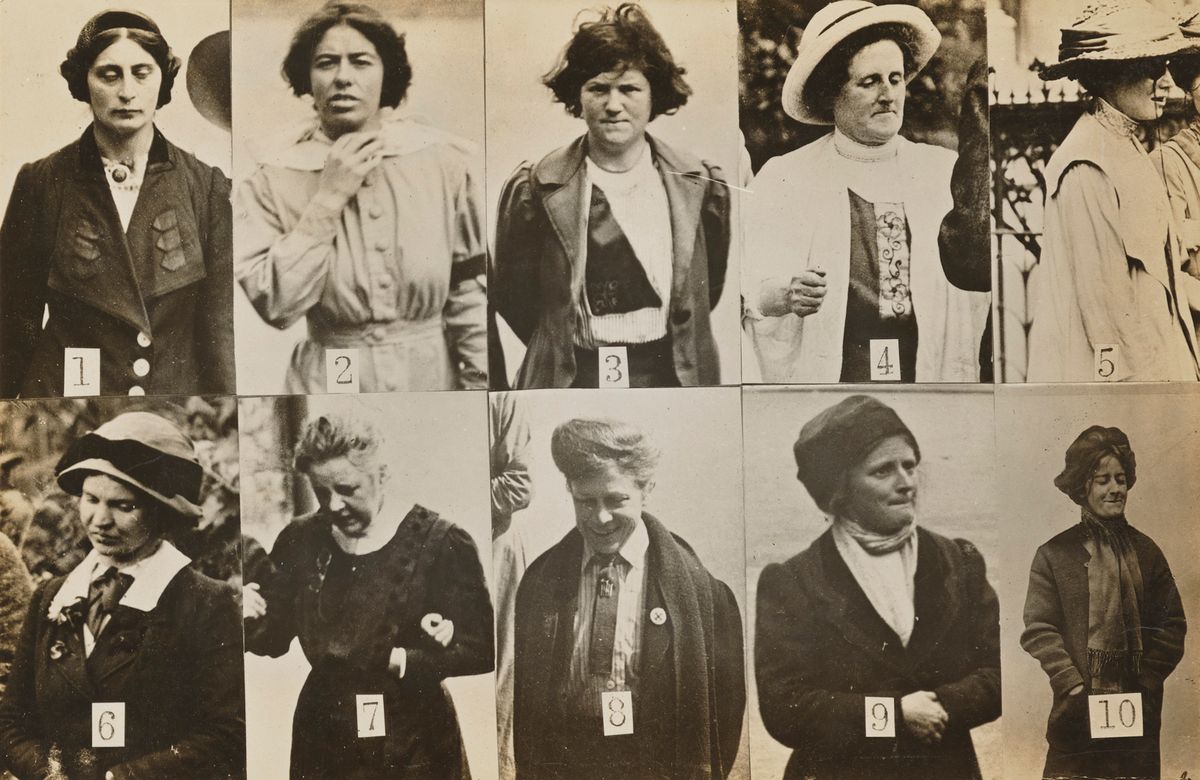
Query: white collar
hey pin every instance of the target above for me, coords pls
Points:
(633, 551)
(853, 150)
(151, 575)
(381, 531)
(304, 147)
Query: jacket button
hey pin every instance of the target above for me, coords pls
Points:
(137, 390)
(143, 339)
(141, 366)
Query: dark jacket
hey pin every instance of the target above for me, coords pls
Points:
(538, 264)
(167, 283)
(691, 698)
(177, 668)
(821, 648)
(1056, 634)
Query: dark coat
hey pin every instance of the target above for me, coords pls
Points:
(821, 647)
(1056, 634)
(177, 668)
(169, 279)
(349, 613)
(538, 265)
(691, 700)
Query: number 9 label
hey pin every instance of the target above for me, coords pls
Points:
(341, 370)
(108, 724)
(1115, 715)
(881, 716)
(368, 709)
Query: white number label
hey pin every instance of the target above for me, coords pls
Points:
(1108, 357)
(108, 724)
(881, 716)
(885, 360)
(1115, 715)
(617, 709)
(81, 371)
(369, 710)
(341, 370)
(614, 367)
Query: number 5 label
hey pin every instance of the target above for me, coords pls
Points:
(81, 371)
(614, 367)
(1108, 358)
(885, 360)
(108, 724)
(1115, 715)
(341, 370)
(881, 716)
(369, 710)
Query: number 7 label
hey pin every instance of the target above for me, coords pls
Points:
(368, 709)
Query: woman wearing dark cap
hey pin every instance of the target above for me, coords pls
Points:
(131, 626)
(875, 607)
(366, 224)
(122, 235)
(617, 239)
(1102, 615)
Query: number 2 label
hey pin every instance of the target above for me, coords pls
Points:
(885, 360)
(614, 367)
(1115, 715)
(368, 709)
(881, 716)
(108, 724)
(341, 370)
(81, 371)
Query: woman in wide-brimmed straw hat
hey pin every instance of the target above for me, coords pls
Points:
(1106, 300)
(843, 272)
(132, 625)
(1181, 159)
(1102, 615)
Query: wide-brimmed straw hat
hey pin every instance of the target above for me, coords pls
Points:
(1115, 31)
(832, 25)
(142, 450)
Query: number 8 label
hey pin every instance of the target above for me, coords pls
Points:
(108, 724)
(881, 716)
(368, 709)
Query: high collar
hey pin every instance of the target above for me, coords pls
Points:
(1114, 120)
(151, 575)
(89, 153)
(850, 149)
(383, 529)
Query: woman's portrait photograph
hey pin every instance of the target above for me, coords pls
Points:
(366, 607)
(358, 211)
(1098, 573)
(865, 225)
(872, 547)
(115, 247)
(613, 166)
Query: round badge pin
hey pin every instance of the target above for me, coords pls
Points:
(658, 616)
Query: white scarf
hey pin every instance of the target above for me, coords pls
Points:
(885, 567)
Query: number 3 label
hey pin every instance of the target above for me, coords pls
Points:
(614, 367)
(1115, 715)
(81, 371)
(885, 360)
(369, 711)
(108, 724)
(881, 716)
(341, 370)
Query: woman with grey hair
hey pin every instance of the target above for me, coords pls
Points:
(1102, 615)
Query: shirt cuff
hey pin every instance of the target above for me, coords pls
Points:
(398, 662)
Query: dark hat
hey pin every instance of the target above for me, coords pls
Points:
(1086, 451)
(142, 450)
(208, 79)
(838, 438)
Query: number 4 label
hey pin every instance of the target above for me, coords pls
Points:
(369, 711)
(1115, 715)
(341, 370)
(81, 371)
(108, 724)
(885, 360)
(881, 716)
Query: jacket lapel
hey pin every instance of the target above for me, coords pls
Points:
(560, 180)
(685, 186)
(68, 659)
(119, 645)
(936, 599)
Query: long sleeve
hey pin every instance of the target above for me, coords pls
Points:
(1044, 626)
(1165, 625)
(272, 634)
(23, 275)
(718, 231)
(975, 699)
(23, 750)
(216, 325)
(964, 239)
(465, 313)
(514, 273)
(730, 674)
(512, 486)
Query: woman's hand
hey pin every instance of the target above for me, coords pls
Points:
(437, 627)
(806, 292)
(351, 158)
(253, 604)
(924, 716)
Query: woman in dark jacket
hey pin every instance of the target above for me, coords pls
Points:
(875, 612)
(1102, 615)
(125, 237)
(130, 666)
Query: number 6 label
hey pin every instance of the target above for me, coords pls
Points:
(1115, 715)
(108, 724)
(369, 710)
(341, 370)
(614, 367)
(881, 716)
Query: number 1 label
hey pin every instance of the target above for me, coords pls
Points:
(614, 367)
(341, 370)
(881, 716)
(885, 360)
(81, 371)
(108, 724)
(1115, 715)
(369, 711)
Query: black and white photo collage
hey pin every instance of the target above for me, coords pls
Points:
(599, 389)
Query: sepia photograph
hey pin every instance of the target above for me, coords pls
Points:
(368, 624)
(865, 238)
(613, 167)
(872, 544)
(358, 209)
(120, 638)
(116, 270)
(618, 557)
(1101, 676)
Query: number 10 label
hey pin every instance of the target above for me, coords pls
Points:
(369, 709)
(885, 360)
(881, 716)
(108, 724)
(1115, 715)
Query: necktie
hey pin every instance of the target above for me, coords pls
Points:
(604, 614)
(103, 595)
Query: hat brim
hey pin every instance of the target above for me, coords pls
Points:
(71, 479)
(1140, 51)
(207, 79)
(926, 39)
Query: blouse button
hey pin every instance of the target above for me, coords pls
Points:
(369, 179)
(385, 283)
(381, 245)
(143, 339)
(141, 366)
(137, 390)
(377, 333)
(375, 212)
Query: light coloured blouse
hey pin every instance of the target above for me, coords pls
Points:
(378, 275)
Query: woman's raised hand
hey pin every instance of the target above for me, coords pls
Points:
(351, 158)
(806, 292)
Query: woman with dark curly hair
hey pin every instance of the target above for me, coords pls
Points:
(368, 225)
(1102, 615)
(616, 243)
(122, 236)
